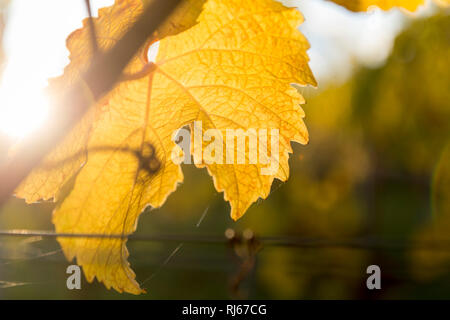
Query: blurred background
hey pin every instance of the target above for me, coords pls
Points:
(371, 187)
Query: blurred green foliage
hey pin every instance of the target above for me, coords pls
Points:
(377, 166)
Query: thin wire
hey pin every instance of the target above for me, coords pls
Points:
(12, 284)
(369, 243)
(131, 237)
(174, 252)
(42, 255)
(202, 217)
(166, 261)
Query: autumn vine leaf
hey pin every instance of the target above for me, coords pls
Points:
(364, 5)
(227, 63)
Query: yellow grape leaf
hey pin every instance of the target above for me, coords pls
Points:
(58, 167)
(363, 5)
(233, 69)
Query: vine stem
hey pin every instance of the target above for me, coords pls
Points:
(91, 26)
(104, 71)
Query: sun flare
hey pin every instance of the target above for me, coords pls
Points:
(34, 55)
(23, 109)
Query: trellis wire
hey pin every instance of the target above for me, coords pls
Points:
(363, 243)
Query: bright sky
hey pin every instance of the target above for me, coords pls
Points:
(341, 39)
(36, 33)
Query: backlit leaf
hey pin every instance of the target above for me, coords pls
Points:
(363, 5)
(233, 69)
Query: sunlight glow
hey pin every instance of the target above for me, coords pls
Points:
(35, 51)
(22, 110)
